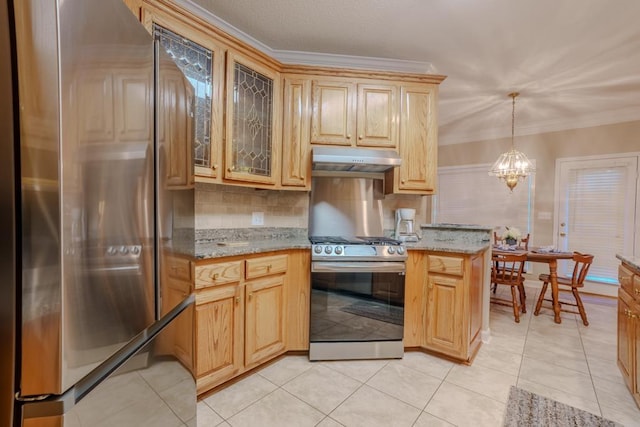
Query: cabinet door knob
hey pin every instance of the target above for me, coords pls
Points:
(231, 169)
(360, 137)
(402, 181)
(250, 295)
(237, 300)
(349, 136)
(637, 291)
(214, 167)
(563, 234)
(302, 178)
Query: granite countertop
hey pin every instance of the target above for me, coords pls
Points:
(218, 249)
(449, 246)
(463, 227)
(631, 260)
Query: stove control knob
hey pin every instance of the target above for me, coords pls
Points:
(124, 250)
(317, 249)
(327, 250)
(400, 250)
(135, 250)
(111, 250)
(391, 250)
(338, 250)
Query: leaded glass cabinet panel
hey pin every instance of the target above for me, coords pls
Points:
(251, 126)
(202, 62)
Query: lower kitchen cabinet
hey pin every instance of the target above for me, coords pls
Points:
(242, 313)
(443, 304)
(176, 286)
(629, 328)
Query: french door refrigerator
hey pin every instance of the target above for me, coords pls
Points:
(87, 221)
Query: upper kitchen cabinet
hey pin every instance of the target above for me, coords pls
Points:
(418, 145)
(201, 60)
(351, 113)
(252, 133)
(296, 151)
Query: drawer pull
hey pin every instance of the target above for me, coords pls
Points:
(237, 300)
(637, 291)
(250, 295)
(215, 276)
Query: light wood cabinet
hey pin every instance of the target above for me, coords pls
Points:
(194, 41)
(175, 132)
(219, 335)
(629, 328)
(264, 317)
(241, 313)
(443, 303)
(418, 142)
(296, 151)
(348, 113)
(252, 130)
(176, 286)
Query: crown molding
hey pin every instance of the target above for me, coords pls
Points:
(601, 119)
(309, 58)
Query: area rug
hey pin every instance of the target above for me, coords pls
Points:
(529, 409)
(373, 310)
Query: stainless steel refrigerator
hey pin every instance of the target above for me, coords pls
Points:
(87, 219)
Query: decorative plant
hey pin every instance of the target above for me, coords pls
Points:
(511, 233)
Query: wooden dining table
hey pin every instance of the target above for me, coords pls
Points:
(550, 258)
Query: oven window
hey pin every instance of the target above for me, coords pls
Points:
(349, 306)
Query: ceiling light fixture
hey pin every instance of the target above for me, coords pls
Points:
(513, 165)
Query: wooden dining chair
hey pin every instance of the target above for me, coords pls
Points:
(582, 262)
(506, 269)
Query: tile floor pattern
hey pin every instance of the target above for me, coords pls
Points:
(568, 362)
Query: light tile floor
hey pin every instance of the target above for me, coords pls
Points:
(568, 362)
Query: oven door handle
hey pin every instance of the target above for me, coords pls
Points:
(358, 267)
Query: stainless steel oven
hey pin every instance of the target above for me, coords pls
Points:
(357, 298)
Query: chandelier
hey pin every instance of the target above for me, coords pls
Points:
(513, 165)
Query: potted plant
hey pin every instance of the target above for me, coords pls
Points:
(511, 236)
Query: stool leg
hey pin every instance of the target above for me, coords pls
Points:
(541, 298)
(516, 309)
(583, 314)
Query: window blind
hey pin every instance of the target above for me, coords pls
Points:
(468, 195)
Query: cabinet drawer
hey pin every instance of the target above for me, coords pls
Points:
(446, 265)
(259, 267)
(625, 277)
(218, 274)
(179, 268)
(636, 287)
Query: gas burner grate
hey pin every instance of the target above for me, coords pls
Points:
(357, 240)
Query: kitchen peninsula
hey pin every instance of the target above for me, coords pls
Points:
(252, 296)
(447, 290)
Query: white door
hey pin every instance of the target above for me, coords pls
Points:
(595, 212)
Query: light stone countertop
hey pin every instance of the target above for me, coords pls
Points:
(448, 246)
(212, 249)
(631, 260)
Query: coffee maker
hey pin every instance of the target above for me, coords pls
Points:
(405, 219)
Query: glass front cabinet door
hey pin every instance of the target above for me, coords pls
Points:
(251, 151)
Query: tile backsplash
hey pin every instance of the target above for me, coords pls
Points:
(226, 206)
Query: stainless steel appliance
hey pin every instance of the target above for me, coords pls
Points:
(357, 282)
(86, 223)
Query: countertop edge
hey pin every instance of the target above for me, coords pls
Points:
(631, 260)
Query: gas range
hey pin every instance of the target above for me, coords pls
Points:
(357, 248)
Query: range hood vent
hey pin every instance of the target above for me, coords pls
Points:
(348, 159)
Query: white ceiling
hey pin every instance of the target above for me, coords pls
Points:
(576, 63)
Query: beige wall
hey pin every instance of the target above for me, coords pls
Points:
(545, 149)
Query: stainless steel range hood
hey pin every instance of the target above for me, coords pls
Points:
(349, 159)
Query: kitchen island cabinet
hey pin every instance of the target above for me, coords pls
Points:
(629, 324)
(443, 306)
